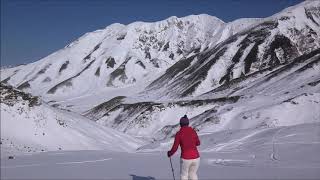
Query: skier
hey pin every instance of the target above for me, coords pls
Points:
(188, 140)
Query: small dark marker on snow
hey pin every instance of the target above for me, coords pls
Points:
(11, 157)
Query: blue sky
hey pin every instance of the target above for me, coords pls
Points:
(32, 29)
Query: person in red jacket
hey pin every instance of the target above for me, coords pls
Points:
(188, 140)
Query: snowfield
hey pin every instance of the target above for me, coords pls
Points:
(28, 125)
(245, 154)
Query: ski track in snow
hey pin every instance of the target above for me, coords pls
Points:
(237, 165)
(80, 162)
(60, 163)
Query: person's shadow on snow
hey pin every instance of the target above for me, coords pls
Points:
(134, 177)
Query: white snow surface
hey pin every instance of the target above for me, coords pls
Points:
(26, 129)
(246, 154)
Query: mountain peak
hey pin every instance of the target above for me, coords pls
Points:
(134, 55)
(300, 8)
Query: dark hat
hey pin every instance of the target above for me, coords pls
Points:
(184, 121)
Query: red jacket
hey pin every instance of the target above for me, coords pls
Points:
(188, 139)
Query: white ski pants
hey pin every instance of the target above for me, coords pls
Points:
(188, 169)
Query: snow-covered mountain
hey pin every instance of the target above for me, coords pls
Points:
(264, 76)
(272, 43)
(140, 78)
(29, 125)
(284, 96)
(120, 56)
(201, 46)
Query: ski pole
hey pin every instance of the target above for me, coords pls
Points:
(172, 169)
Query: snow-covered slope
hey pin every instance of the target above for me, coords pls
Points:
(283, 96)
(273, 153)
(29, 125)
